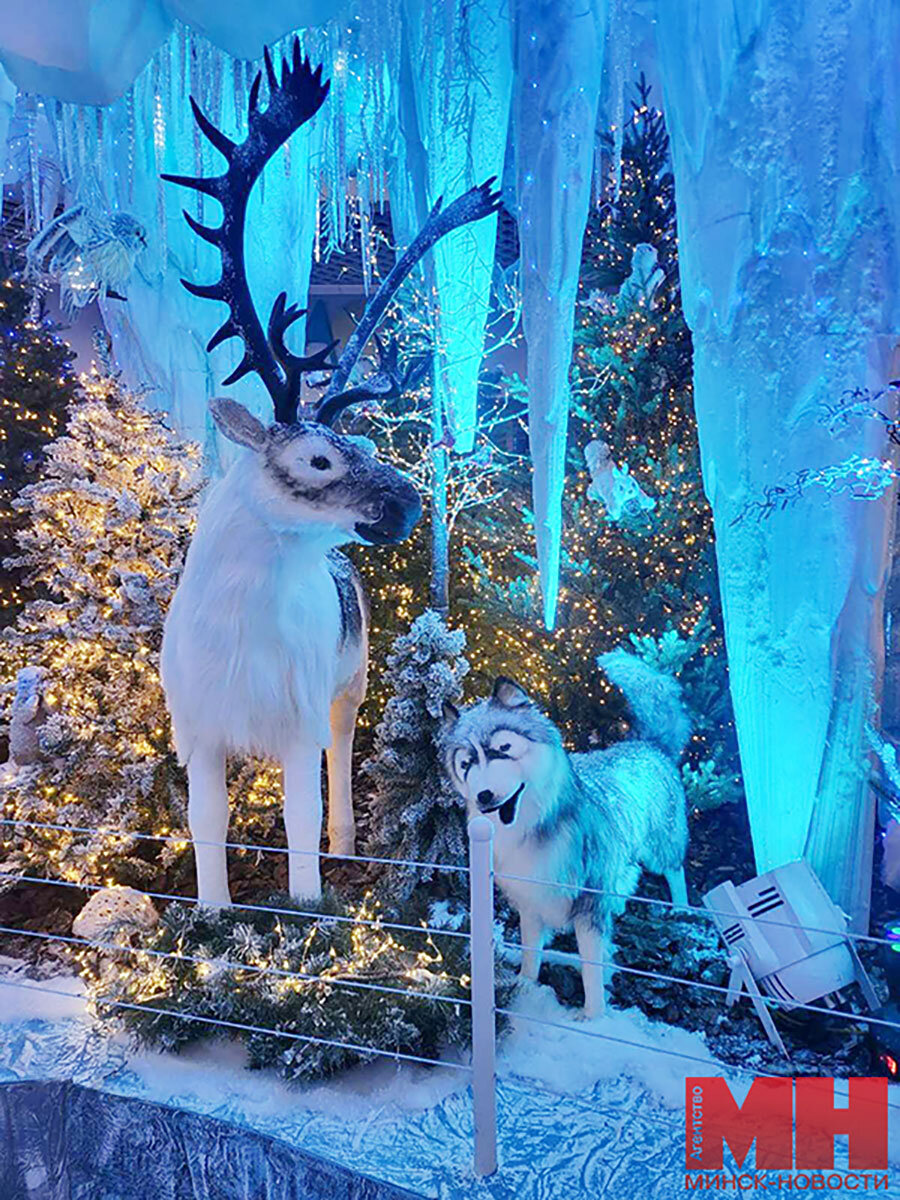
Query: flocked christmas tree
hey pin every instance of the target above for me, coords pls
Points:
(106, 528)
(414, 813)
(638, 553)
(37, 383)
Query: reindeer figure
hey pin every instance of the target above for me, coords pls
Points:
(265, 644)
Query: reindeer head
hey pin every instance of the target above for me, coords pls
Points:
(305, 474)
(306, 471)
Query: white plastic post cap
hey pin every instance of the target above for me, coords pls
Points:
(480, 829)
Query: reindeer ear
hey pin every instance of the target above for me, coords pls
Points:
(450, 713)
(508, 693)
(236, 423)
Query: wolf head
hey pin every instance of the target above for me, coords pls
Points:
(502, 754)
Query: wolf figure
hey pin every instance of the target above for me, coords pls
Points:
(578, 821)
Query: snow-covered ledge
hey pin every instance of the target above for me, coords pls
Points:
(784, 121)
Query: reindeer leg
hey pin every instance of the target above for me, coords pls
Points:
(341, 824)
(208, 821)
(303, 819)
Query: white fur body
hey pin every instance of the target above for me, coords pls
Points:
(265, 643)
(252, 653)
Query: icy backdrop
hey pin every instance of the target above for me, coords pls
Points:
(785, 140)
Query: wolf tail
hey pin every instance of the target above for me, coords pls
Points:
(654, 698)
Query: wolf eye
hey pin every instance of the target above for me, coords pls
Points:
(319, 462)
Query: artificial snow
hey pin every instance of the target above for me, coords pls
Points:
(585, 1108)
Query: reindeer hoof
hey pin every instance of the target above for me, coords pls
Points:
(591, 1012)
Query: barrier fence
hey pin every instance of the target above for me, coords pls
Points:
(482, 946)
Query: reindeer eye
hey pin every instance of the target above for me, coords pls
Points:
(320, 463)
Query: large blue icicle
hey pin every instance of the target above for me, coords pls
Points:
(559, 63)
(785, 127)
(460, 74)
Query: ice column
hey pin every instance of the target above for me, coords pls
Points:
(784, 121)
(559, 62)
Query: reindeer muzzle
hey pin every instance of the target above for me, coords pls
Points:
(401, 508)
(399, 515)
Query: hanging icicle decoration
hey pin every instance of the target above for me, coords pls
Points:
(99, 151)
(317, 239)
(618, 49)
(216, 87)
(81, 141)
(159, 147)
(62, 141)
(240, 97)
(182, 61)
(33, 205)
(130, 142)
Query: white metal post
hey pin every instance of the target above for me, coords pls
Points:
(481, 923)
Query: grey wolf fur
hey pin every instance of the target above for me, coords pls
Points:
(577, 821)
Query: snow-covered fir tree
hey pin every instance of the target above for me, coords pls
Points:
(415, 813)
(37, 383)
(107, 526)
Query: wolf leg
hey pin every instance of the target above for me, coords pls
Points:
(531, 931)
(341, 825)
(677, 886)
(208, 821)
(303, 819)
(592, 948)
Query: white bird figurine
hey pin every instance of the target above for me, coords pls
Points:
(614, 486)
(89, 253)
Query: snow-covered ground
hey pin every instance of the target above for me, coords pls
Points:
(586, 1109)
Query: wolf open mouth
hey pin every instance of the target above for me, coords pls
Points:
(506, 808)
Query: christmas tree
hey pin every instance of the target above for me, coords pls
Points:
(105, 530)
(414, 812)
(638, 552)
(37, 383)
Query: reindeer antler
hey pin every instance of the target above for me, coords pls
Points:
(478, 202)
(292, 102)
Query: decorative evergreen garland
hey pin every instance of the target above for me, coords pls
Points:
(318, 978)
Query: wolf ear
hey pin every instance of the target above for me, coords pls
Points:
(450, 713)
(236, 423)
(508, 693)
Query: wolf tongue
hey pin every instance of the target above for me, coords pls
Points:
(507, 810)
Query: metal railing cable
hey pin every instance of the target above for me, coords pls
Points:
(789, 1005)
(577, 889)
(7, 981)
(700, 911)
(188, 841)
(302, 914)
(226, 964)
